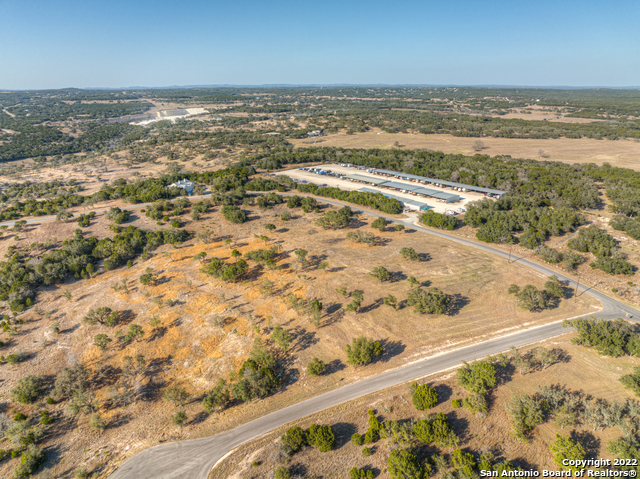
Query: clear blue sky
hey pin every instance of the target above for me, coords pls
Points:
(116, 43)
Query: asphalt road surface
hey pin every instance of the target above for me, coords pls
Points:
(193, 459)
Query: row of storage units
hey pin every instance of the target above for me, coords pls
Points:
(415, 190)
(408, 203)
(441, 183)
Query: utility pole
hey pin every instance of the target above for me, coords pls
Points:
(575, 293)
(510, 246)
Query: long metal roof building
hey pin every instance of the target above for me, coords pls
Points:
(420, 190)
(452, 184)
(416, 188)
(365, 179)
(405, 201)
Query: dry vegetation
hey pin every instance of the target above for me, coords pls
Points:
(580, 370)
(622, 153)
(210, 329)
(206, 328)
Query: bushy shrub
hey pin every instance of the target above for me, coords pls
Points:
(321, 436)
(437, 220)
(357, 439)
(27, 390)
(433, 301)
(356, 473)
(282, 473)
(363, 350)
(404, 465)
(30, 461)
(233, 214)
(424, 396)
(316, 367)
(294, 440)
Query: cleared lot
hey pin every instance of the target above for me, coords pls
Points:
(621, 153)
(348, 185)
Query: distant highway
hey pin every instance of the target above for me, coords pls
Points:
(193, 459)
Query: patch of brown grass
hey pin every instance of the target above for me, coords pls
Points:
(621, 153)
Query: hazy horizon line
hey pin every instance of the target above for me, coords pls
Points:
(332, 85)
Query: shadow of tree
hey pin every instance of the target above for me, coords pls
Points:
(334, 366)
(70, 330)
(333, 308)
(337, 313)
(199, 418)
(459, 425)
(589, 442)
(289, 377)
(343, 432)
(458, 302)
(523, 463)
(444, 392)
(121, 419)
(126, 315)
(54, 455)
(157, 333)
(46, 382)
(391, 349)
(105, 376)
(303, 339)
(397, 276)
(422, 257)
(371, 307)
(355, 224)
(561, 355)
(505, 373)
(298, 470)
(152, 391)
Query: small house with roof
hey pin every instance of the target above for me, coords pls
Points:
(184, 184)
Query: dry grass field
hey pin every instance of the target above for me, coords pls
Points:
(622, 153)
(209, 330)
(581, 370)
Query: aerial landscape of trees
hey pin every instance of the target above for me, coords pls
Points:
(430, 111)
(238, 248)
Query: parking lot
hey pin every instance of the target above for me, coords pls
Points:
(345, 184)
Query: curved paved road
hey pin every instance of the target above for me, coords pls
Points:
(193, 459)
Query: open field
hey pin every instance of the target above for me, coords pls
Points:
(210, 330)
(537, 112)
(534, 112)
(581, 370)
(622, 153)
